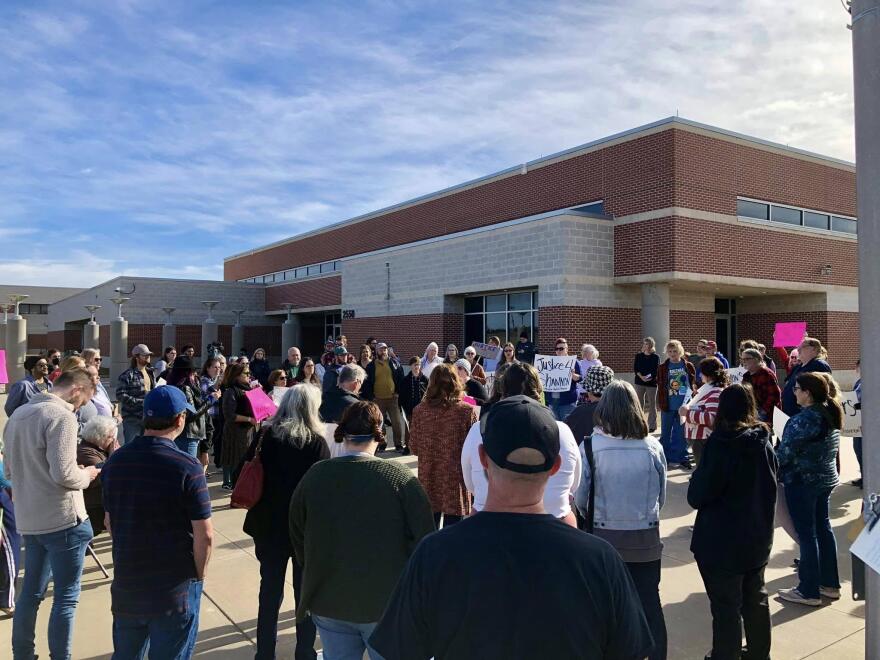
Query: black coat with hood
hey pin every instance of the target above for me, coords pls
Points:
(734, 492)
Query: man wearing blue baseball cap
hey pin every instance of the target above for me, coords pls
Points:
(158, 512)
(512, 581)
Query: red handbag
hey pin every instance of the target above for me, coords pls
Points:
(249, 487)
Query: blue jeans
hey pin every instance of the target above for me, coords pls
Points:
(171, 637)
(274, 556)
(58, 555)
(188, 445)
(132, 427)
(344, 640)
(561, 410)
(672, 437)
(808, 507)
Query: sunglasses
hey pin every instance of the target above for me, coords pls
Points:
(98, 359)
(281, 378)
(560, 348)
(508, 350)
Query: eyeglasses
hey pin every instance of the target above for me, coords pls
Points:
(98, 359)
(560, 348)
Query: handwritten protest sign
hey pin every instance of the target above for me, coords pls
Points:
(4, 377)
(261, 404)
(780, 419)
(852, 417)
(555, 372)
(487, 351)
(789, 334)
(735, 374)
(278, 393)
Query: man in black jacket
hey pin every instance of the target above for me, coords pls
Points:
(382, 387)
(336, 400)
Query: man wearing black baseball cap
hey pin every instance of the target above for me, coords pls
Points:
(512, 581)
(158, 512)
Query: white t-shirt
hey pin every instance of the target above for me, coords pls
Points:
(559, 486)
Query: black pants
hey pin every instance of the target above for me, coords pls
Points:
(646, 577)
(738, 599)
(274, 556)
(448, 519)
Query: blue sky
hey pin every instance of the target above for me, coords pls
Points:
(152, 138)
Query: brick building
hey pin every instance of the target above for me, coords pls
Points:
(675, 229)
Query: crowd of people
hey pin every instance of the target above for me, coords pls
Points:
(508, 471)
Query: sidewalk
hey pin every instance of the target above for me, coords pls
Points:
(229, 607)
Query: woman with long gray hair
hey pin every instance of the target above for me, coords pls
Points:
(288, 448)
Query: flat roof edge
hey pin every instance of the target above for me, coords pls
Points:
(631, 133)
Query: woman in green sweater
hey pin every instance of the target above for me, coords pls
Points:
(344, 513)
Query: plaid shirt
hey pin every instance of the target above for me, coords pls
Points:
(130, 391)
(767, 393)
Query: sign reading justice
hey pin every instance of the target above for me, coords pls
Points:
(555, 371)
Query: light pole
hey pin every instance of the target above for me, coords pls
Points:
(16, 340)
(169, 332)
(92, 331)
(119, 358)
(866, 84)
(209, 327)
(289, 330)
(237, 333)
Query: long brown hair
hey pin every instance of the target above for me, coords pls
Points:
(714, 370)
(820, 390)
(444, 388)
(736, 409)
(521, 378)
(233, 371)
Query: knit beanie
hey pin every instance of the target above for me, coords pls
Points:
(598, 378)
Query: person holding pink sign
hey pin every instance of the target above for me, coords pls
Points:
(239, 423)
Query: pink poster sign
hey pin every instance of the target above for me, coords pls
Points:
(4, 377)
(789, 334)
(261, 404)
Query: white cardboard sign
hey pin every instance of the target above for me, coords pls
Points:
(852, 417)
(555, 371)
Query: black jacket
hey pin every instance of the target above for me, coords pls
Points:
(734, 492)
(370, 383)
(476, 391)
(284, 464)
(261, 370)
(334, 403)
(581, 422)
(411, 390)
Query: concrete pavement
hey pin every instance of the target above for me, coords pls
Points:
(229, 607)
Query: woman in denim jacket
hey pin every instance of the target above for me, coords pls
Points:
(630, 490)
(808, 468)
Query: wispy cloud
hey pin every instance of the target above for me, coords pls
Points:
(168, 135)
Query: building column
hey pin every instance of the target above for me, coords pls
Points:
(655, 313)
(169, 331)
(3, 323)
(119, 358)
(290, 331)
(92, 331)
(16, 341)
(237, 333)
(209, 328)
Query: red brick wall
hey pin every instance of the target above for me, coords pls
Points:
(710, 173)
(36, 343)
(838, 332)
(777, 256)
(267, 337)
(409, 335)
(55, 339)
(631, 177)
(615, 332)
(689, 327)
(322, 292)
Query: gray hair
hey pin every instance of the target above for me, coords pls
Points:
(350, 373)
(297, 417)
(89, 354)
(592, 349)
(619, 412)
(99, 428)
(753, 353)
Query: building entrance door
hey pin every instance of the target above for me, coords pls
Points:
(725, 328)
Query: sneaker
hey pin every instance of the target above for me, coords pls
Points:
(830, 592)
(9, 611)
(407, 451)
(686, 464)
(857, 483)
(795, 596)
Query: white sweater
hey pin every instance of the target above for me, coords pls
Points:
(559, 487)
(40, 461)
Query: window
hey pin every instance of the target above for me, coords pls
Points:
(592, 207)
(846, 225)
(296, 273)
(815, 220)
(750, 209)
(504, 315)
(333, 324)
(32, 308)
(789, 215)
(784, 214)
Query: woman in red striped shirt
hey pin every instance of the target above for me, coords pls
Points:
(700, 411)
